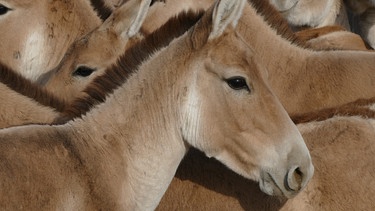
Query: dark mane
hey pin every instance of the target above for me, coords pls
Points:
(152, 1)
(104, 11)
(355, 108)
(128, 63)
(274, 19)
(101, 9)
(19, 84)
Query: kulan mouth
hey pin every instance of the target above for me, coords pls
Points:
(269, 186)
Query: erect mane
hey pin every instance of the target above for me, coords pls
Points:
(101, 9)
(356, 108)
(128, 63)
(152, 1)
(275, 20)
(104, 11)
(19, 84)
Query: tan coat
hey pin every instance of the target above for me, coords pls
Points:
(36, 34)
(204, 90)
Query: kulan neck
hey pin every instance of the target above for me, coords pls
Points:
(138, 128)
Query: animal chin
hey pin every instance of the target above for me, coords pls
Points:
(268, 185)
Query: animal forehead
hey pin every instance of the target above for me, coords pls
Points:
(95, 39)
(228, 65)
(231, 49)
(89, 48)
(80, 45)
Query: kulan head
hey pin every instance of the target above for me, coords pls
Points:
(89, 56)
(36, 34)
(230, 113)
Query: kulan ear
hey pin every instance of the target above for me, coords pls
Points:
(141, 16)
(127, 19)
(226, 12)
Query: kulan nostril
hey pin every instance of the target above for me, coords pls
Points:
(298, 175)
(293, 180)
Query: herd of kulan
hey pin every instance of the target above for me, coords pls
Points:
(187, 105)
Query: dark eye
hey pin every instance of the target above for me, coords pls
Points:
(237, 83)
(83, 71)
(3, 9)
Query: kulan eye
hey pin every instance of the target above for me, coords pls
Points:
(83, 71)
(237, 83)
(3, 9)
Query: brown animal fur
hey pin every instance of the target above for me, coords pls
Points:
(306, 80)
(91, 54)
(354, 15)
(21, 106)
(29, 89)
(360, 107)
(36, 34)
(17, 109)
(342, 150)
(74, 166)
(23, 102)
(81, 64)
(102, 9)
(316, 13)
(104, 85)
(162, 11)
(273, 18)
(332, 38)
(361, 16)
(195, 189)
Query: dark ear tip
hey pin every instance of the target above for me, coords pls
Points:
(153, 1)
(61, 120)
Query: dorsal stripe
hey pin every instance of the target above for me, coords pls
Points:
(275, 20)
(19, 84)
(359, 107)
(101, 9)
